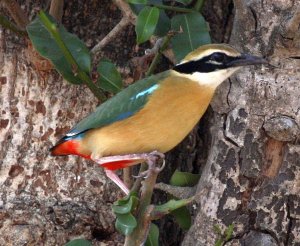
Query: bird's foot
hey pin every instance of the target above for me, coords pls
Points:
(151, 159)
(111, 163)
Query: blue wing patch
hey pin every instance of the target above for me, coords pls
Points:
(123, 116)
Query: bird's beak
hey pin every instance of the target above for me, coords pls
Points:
(245, 60)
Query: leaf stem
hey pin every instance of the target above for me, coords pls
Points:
(158, 55)
(172, 8)
(198, 5)
(9, 25)
(52, 28)
(137, 184)
(161, 210)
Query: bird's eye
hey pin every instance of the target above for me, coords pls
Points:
(218, 57)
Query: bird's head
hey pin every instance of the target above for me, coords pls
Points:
(213, 63)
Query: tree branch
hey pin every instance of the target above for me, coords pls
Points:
(127, 177)
(139, 235)
(128, 17)
(126, 10)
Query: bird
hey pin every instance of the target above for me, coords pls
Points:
(153, 115)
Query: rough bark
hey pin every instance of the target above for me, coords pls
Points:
(46, 200)
(252, 174)
(252, 171)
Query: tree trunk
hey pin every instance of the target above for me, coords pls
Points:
(252, 175)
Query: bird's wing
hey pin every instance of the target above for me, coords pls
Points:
(121, 106)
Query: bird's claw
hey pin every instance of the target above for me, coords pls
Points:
(157, 155)
(151, 159)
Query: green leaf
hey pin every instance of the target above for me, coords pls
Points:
(182, 217)
(146, 23)
(171, 205)
(137, 8)
(109, 77)
(123, 200)
(79, 242)
(229, 232)
(184, 179)
(219, 242)
(125, 223)
(137, 1)
(127, 207)
(193, 32)
(152, 239)
(217, 229)
(185, 2)
(126, 199)
(164, 23)
(47, 46)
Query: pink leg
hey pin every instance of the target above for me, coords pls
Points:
(147, 157)
(115, 178)
(150, 158)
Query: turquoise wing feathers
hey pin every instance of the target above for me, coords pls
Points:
(123, 105)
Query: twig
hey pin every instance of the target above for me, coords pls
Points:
(127, 177)
(16, 13)
(158, 55)
(127, 12)
(128, 17)
(178, 192)
(111, 35)
(137, 184)
(57, 9)
(8, 25)
(172, 8)
(155, 49)
(162, 210)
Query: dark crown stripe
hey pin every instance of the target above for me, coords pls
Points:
(206, 64)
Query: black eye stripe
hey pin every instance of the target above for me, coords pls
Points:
(213, 62)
